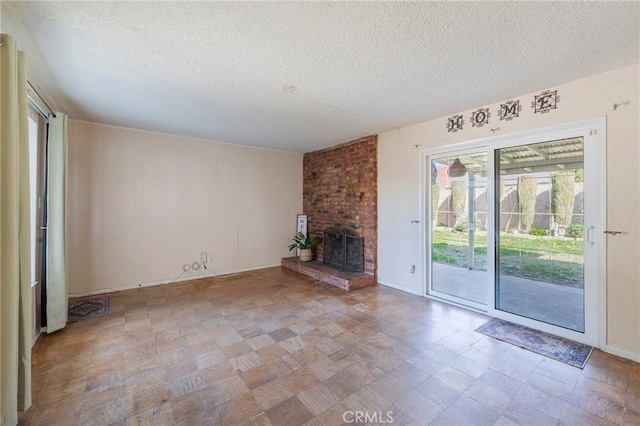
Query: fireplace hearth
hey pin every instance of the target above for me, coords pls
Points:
(343, 251)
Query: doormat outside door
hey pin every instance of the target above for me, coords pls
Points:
(81, 310)
(554, 347)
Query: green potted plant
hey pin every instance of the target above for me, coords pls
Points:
(305, 244)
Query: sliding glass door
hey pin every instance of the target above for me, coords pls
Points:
(459, 228)
(540, 232)
(514, 228)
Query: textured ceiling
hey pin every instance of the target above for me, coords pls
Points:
(301, 76)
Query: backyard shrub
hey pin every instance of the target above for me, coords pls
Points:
(562, 196)
(538, 231)
(527, 192)
(461, 228)
(575, 230)
(459, 202)
(435, 200)
(579, 175)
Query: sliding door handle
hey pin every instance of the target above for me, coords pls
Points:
(589, 236)
(612, 232)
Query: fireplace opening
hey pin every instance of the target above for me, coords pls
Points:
(343, 251)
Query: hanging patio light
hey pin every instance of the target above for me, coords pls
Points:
(457, 169)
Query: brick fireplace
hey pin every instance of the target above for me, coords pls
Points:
(340, 191)
(342, 251)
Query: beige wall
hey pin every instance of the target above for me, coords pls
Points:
(142, 204)
(399, 180)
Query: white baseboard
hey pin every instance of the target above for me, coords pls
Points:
(399, 287)
(170, 281)
(622, 353)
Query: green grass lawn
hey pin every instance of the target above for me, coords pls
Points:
(548, 259)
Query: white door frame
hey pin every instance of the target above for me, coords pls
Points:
(594, 133)
(428, 289)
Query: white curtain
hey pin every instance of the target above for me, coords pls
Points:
(56, 215)
(15, 250)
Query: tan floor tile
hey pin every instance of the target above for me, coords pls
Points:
(324, 368)
(259, 420)
(178, 369)
(501, 382)
(284, 365)
(328, 346)
(260, 341)
(610, 392)
(468, 366)
(314, 336)
(217, 372)
(558, 371)
(411, 374)
(271, 394)
(308, 355)
(146, 399)
(438, 391)
(418, 407)
(301, 327)
(246, 361)
(524, 414)
(318, 398)
(283, 334)
(188, 410)
(549, 385)
(631, 418)
(64, 412)
(185, 385)
(576, 416)
(211, 358)
(289, 412)
(385, 360)
(237, 349)
(596, 404)
(367, 400)
(227, 339)
(271, 352)
(239, 409)
(259, 375)
(299, 380)
(541, 401)
(222, 391)
(225, 349)
(488, 396)
(345, 357)
(293, 344)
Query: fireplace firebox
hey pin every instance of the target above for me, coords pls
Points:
(343, 251)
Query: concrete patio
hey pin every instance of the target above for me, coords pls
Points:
(551, 303)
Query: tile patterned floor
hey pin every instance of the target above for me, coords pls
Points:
(273, 347)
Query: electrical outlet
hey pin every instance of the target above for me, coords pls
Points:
(203, 257)
(210, 258)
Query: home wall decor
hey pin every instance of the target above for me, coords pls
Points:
(509, 110)
(480, 117)
(542, 103)
(545, 101)
(455, 123)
